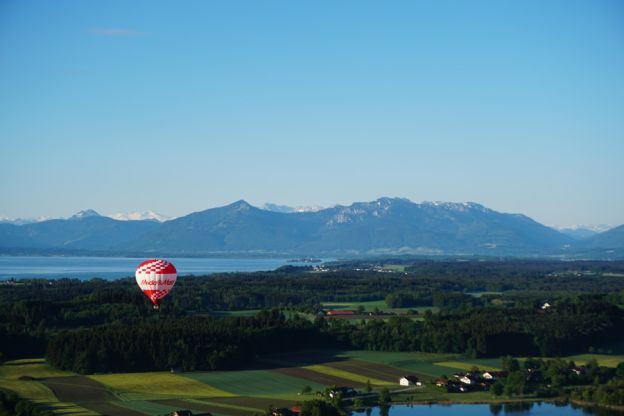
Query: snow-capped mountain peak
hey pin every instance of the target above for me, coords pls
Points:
(138, 216)
(288, 209)
(21, 221)
(457, 206)
(84, 214)
(597, 228)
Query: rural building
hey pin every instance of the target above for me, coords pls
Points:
(342, 391)
(467, 379)
(410, 381)
(456, 387)
(493, 375)
(534, 377)
(443, 381)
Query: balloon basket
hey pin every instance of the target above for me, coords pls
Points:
(156, 307)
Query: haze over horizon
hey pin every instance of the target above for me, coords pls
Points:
(151, 106)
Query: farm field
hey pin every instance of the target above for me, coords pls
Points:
(246, 392)
(371, 305)
(465, 366)
(246, 312)
(603, 359)
(140, 386)
(256, 383)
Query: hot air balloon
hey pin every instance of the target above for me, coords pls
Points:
(156, 277)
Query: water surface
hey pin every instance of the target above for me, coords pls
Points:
(515, 409)
(22, 267)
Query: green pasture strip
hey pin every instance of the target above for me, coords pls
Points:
(254, 382)
(347, 375)
(394, 267)
(464, 366)
(603, 359)
(391, 358)
(432, 393)
(494, 364)
(240, 313)
(149, 408)
(155, 385)
(36, 368)
(426, 369)
(479, 294)
(31, 390)
(370, 306)
(36, 391)
(226, 405)
(420, 363)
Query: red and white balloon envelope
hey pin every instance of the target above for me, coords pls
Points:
(156, 277)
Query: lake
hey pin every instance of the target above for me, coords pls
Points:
(518, 409)
(22, 267)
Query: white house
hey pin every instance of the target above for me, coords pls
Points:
(467, 379)
(493, 375)
(410, 381)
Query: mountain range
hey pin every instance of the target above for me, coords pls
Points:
(386, 226)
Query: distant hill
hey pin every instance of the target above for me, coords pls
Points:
(87, 230)
(581, 232)
(611, 239)
(387, 226)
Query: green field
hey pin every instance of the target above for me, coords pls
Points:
(141, 386)
(257, 383)
(34, 390)
(466, 366)
(479, 294)
(603, 359)
(347, 375)
(400, 268)
(370, 306)
(240, 393)
(36, 368)
(243, 313)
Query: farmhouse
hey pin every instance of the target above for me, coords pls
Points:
(442, 381)
(493, 375)
(410, 381)
(341, 391)
(468, 379)
(456, 387)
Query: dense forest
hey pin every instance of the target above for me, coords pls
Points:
(99, 325)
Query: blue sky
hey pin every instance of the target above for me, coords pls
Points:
(181, 106)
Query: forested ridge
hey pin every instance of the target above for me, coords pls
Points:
(98, 325)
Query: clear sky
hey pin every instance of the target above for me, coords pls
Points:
(179, 106)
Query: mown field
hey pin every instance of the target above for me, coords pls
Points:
(238, 393)
(370, 306)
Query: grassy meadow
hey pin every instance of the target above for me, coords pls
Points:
(247, 392)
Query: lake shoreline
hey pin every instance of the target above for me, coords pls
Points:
(554, 400)
(112, 268)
